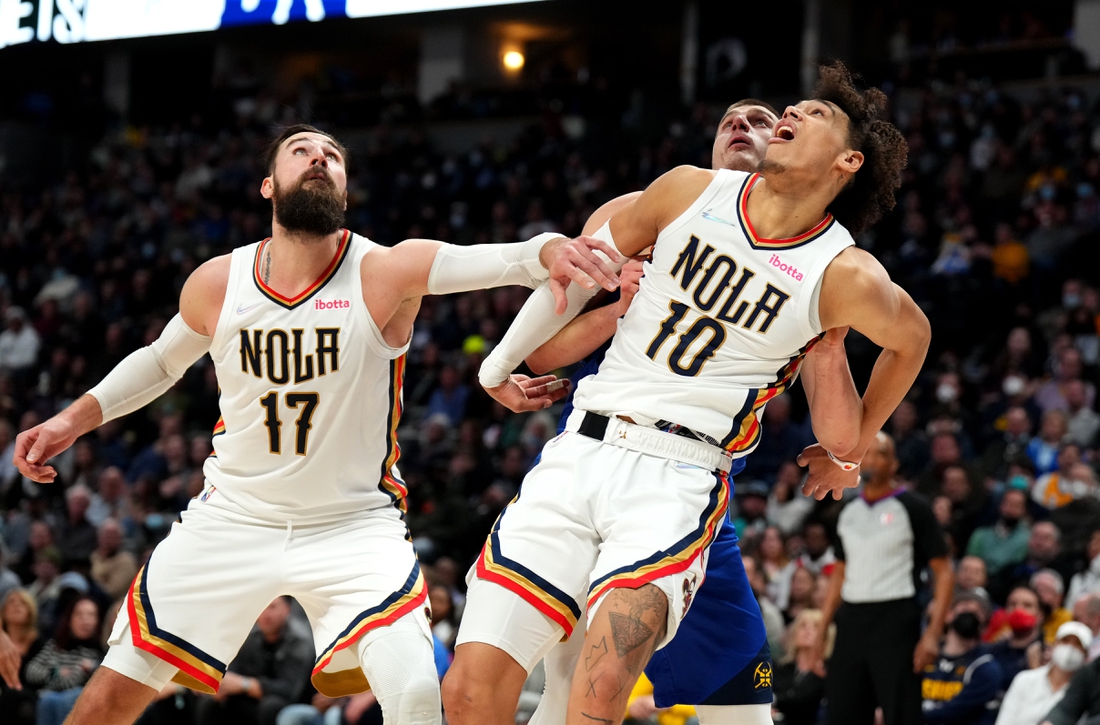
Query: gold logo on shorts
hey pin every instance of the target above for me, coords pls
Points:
(762, 677)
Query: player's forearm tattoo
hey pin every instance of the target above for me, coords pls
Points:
(596, 719)
(628, 632)
(595, 654)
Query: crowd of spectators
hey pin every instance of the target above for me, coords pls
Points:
(999, 209)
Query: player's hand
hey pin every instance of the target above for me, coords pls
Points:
(928, 649)
(35, 446)
(520, 393)
(825, 476)
(10, 660)
(576, 260)
(629, 278)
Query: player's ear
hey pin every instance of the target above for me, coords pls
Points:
(345, 199)
(850, 161)
(267, 187)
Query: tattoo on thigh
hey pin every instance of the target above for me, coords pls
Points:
(628, 633)
(595, 654)
(596, 719)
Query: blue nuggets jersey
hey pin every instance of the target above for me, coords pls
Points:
(720, 653)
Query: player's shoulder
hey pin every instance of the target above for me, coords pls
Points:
(213, 274)
(860, 274)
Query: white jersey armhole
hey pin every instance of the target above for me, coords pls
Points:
(375, 340)
(810, 315)
(232, 288)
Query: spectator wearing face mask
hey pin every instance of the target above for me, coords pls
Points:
(961, 686)
(1033, 693)
(1013, 630)
(1081, 700)
(1004, 544)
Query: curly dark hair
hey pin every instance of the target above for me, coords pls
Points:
(870, 193)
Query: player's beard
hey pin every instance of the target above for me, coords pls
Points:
(768, 167)
(316, 209)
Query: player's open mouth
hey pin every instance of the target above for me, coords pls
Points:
(784, 131)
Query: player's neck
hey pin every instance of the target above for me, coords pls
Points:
(779, 211)
(293, 261)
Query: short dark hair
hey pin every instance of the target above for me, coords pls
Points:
(297, 128)
(752, 102)
(870, 194)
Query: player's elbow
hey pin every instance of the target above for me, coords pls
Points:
(840, 441)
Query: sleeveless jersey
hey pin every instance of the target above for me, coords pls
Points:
(310, 396)
(720, 324)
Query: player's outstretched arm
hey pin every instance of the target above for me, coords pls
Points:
(592, 328)
(418, 267)
(140, 378)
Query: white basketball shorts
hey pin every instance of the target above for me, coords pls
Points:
(592, 516)
(199, 594)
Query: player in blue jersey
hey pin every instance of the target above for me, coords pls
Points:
(719, 660)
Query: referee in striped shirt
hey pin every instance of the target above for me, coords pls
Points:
(885, 539)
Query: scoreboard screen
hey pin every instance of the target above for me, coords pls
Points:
(74, 21)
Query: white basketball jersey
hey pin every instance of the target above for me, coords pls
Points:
(720, 324)
(310, 395)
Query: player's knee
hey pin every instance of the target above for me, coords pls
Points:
(465, 691)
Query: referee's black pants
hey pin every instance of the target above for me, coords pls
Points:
(872, 664)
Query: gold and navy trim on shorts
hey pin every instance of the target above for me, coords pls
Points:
(390, 483)
(291, 302)
(412, 595)
(197, 669)
(676, 558)
(493, 566)
(745, 432)
(758, 242)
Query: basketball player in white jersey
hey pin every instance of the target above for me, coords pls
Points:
(308, 332)
(746, 273)
(720, 646)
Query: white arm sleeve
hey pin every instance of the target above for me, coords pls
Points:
(481, 266)
(537, 322)
(146, 374)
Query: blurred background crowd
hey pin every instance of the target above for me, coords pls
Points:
(994, 235)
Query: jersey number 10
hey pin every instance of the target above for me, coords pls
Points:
(308, 404)
(703, 325)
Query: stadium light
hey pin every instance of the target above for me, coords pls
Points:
(513, 60)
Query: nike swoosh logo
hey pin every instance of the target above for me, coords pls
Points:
(720, 220)
(242, 310)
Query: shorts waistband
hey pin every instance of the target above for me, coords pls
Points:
(618, 432)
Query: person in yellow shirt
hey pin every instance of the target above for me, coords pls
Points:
(640, 707)
(1009, 256)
